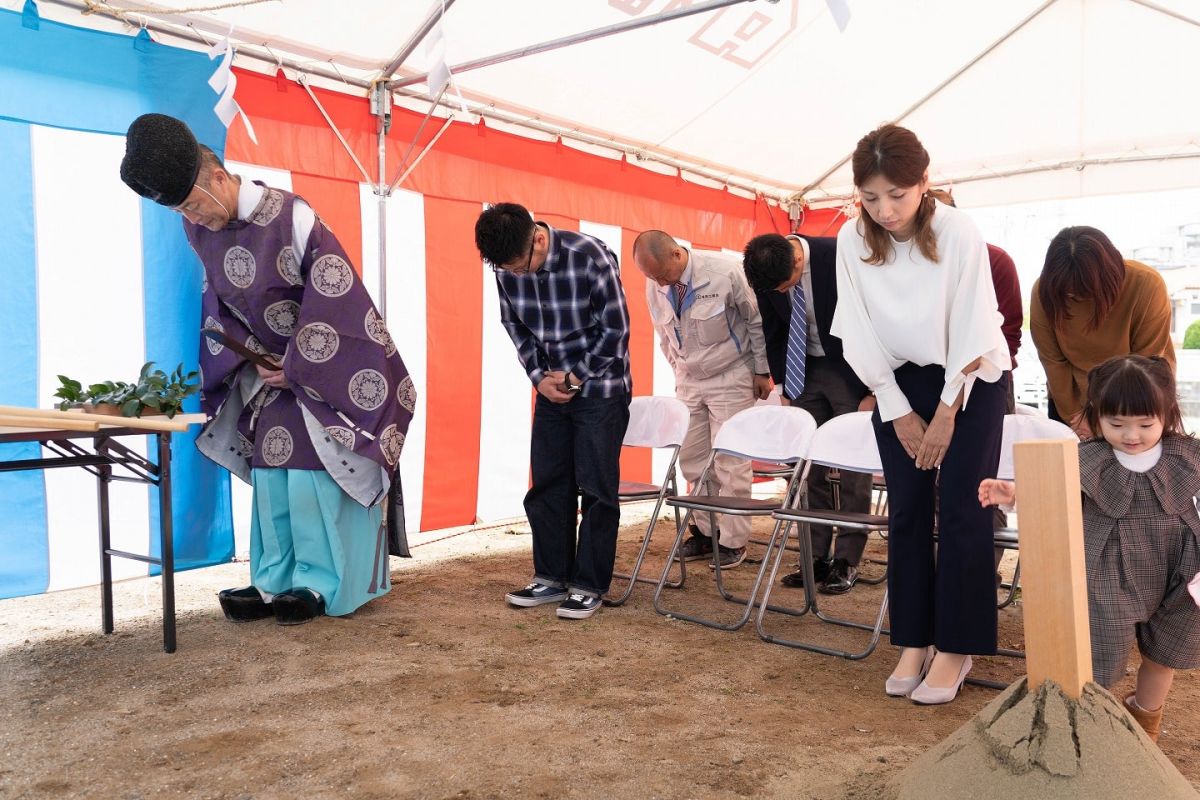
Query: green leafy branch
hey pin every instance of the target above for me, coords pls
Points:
(154, 390)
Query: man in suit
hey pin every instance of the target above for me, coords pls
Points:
(795, 282)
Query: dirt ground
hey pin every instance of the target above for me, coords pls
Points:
(440, 690)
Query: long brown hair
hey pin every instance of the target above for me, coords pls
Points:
(1133, 386)
(898, 155)
(1081, 263)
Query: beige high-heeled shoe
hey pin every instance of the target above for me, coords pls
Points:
(903, 687)
(927, 695)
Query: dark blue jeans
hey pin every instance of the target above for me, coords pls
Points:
(950, 603)
(575, 451)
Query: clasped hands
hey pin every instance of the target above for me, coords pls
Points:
(926, 444)
(553, 386)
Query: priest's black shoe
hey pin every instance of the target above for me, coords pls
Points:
(297, 606)
(243, 605)
(795, 580)
(841, 577)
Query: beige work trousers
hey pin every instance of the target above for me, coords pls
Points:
(711, 401)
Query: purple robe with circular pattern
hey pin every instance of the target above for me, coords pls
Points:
(311, 313)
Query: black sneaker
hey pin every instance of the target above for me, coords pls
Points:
(795, 580)
(536, 594)
(730, 557)
(697, 546)
(579, 606)
(841, 577)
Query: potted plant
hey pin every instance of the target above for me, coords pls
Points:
(155, 392)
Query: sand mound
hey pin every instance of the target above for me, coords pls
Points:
(1044, 745)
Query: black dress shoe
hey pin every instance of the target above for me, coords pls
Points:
(297, 606)
(243, 605)
(841, 577)
(795, 580)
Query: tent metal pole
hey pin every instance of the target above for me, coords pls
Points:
(334, 128)
(382, 190)
(1167, 11)
(435, 13)
(638, 150)
(586, 36)
(1078, 165)
(381, 204)
(424, 151)
(416, 137)
(937, 89)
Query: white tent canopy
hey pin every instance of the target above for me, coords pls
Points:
(1015, 100)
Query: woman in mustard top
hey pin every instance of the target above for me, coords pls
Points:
(1090, 305)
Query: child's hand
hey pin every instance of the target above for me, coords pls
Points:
(993, 492)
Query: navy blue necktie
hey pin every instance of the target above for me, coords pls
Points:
(797, 347)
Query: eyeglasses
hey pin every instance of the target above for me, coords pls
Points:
(519, 270)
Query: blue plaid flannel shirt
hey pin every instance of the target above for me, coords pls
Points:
(570, 315)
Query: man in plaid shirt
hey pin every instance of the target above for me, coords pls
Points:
(562, 303)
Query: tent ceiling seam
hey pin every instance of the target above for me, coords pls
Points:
(939, 88)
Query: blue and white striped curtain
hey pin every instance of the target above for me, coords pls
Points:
(94, 281)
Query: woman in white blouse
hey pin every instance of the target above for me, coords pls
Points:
(918, 321)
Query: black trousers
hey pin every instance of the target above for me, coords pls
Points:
(949, 602)
(575, 451)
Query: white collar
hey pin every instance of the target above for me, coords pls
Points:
(1139, 462)
(250, 194)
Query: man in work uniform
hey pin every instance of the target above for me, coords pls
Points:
(318, 433)
(709, 329)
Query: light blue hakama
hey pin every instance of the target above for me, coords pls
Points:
(306, 532)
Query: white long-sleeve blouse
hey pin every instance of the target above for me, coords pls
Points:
(911, 309)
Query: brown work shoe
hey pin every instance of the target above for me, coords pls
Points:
(1151, 721)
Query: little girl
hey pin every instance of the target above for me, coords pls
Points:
(1139, 478)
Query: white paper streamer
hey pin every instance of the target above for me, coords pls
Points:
(841, 13)
(439, 70)
(224, 83)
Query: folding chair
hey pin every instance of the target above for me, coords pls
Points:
(776, 434)
(656, 422)
(878, 508)
(846, 442)
(1024, 425)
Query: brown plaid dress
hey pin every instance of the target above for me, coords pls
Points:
(1140, 540)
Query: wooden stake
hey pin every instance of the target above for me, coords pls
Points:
(25, 424)
(53, 418)
(1053, 571)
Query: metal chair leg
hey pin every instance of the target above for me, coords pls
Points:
(1012, 587)
(633, 576)
(811, 602)
(749, 601)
